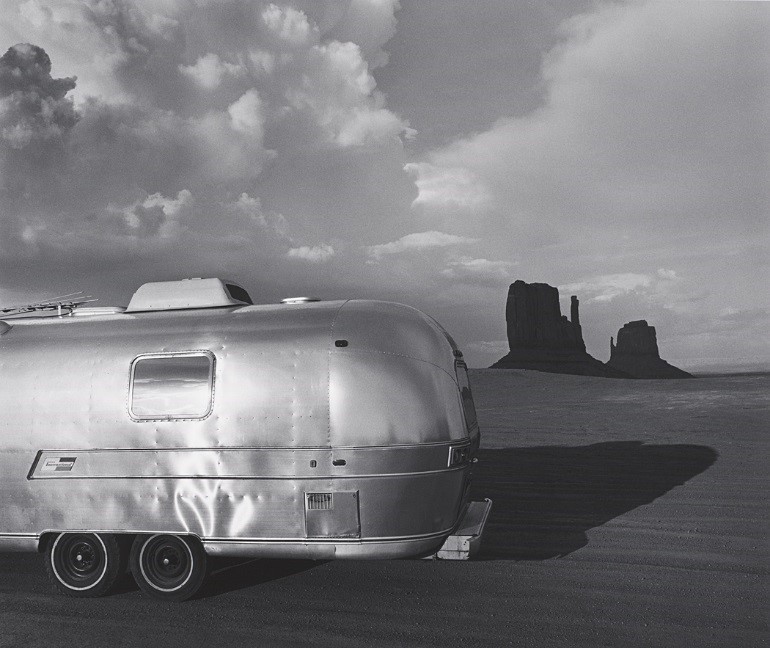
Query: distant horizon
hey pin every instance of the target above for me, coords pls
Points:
(698, 366)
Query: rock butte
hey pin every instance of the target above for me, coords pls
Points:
(542, 339)
(636, 353)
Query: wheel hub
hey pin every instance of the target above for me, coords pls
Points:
(82, 558)
(166, 562)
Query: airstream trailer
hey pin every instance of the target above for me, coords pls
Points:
(194, 423)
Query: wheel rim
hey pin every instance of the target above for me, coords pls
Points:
(79, 560)
(166, 562)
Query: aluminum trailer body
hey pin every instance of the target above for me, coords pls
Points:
(336, 429)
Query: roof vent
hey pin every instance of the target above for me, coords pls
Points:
(299, 300)
(188, 293)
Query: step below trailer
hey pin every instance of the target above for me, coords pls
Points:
(465, 541)
(195, 423)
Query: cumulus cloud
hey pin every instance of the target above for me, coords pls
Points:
(248, 210)
(142, 49)
(156, 215)
(370, 23)
(335, 92)
(160, 115)
(417, 242)
(442, 187)
(209, 70)
(33, 105)
(289, 25)
(246, 115)
(606, 150)
(313, 254)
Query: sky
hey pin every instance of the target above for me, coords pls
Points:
(429, 153)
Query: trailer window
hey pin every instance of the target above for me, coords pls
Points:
(172, 386)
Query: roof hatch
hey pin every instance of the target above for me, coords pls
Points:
(188, 293)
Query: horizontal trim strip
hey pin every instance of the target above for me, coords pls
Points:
(426, 536)
(423, 444)
(257, 477)
(330, 541)
(247, 463)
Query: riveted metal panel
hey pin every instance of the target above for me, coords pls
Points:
(291, 413)
(394, 329)
(392, 400)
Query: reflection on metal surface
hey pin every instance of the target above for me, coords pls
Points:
(96, 311)
(299, 300)
(172, 386)
(112, 423)
(469, 408)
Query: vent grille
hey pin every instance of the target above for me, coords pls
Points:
(320, 501)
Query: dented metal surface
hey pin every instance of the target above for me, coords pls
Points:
(374, 422)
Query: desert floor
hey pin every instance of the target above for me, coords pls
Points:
(626, 513)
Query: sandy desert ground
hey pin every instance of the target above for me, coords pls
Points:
(626, 513)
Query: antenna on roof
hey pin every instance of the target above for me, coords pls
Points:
(60, 304)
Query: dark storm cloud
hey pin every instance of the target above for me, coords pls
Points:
(33, 105)
(35, 118)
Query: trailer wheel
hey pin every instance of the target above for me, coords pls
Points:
(168, 567)
(83, 564)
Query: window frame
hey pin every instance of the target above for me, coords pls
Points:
(172, 354)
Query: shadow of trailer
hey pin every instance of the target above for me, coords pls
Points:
(195, 423)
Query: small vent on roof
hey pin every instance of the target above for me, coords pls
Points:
(299, 300)
(239, 293)
(188, 293)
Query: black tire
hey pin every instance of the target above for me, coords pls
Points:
(168, 567)
(83, 564)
